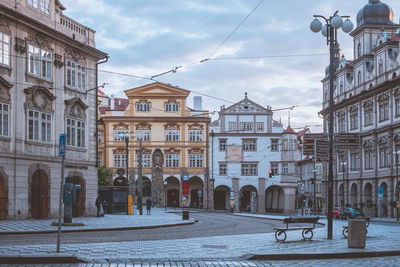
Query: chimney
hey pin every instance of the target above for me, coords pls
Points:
(112, 102)
(197, 100)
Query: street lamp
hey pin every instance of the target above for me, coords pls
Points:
(344, 163)
(396, 198)
(333, 23)
(126, 137)
(165, 194)
(314, 184)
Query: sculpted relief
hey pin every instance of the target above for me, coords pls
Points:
(39, 98)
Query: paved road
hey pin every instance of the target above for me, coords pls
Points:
(210, 224)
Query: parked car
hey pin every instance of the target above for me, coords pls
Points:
(346, 213)
(336, 212)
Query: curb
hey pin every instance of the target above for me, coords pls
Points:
(40, 259)
(98, 229)
(316, 256)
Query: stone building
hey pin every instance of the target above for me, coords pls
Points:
(175, 142)
(246, 142)
(367, 103)
(47, 68)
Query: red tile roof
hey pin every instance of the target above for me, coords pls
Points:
(302, 132)
(289, 130)
(101, 93)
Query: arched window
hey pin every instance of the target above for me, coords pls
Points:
(359, 78)
(341, 88)
(359, 50)
(380, 70)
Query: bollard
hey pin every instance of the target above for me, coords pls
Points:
(357, 233)
(130, 206)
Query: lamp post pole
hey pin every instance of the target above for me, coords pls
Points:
(397, 184)
(330, 32)
(140, 179)
(344, 185)
(165, 195)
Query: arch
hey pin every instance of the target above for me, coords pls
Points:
(368, 208)
(79, 207)
(3, 195)
(394, 75)
(40, 189)
(146, 186)
(353, 195)
(248, 201)
(221, 197)
(341, 195)
(196, 186)
(274, 199)
(383, 205)
(172, 190)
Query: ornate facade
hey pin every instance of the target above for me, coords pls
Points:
(174, 143)
(47, 64)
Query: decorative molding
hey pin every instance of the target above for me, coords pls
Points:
(171, 101)
(75, 108)
(196, 126)
(368, 103)
(143, 126)
(39, 40)
(58, 62)
(5, 86)
(120, 126)
(384, 96)
(171, 150)
(75, 56)
(144, 151)
(172, 126)
(143, 101)
(20, 46)
(368, 143)
(119, 151)
(382, 140)
(40, 98)
(354, 108)
(196, 151)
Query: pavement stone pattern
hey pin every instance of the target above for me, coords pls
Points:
(380, 238)
(158, 217)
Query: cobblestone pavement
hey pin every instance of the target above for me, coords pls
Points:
(380, 238)
(110, 221)
(359, 262)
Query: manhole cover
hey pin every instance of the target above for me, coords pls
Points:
(214, 246)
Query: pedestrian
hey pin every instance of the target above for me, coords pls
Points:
(98, 203)
(148, 205)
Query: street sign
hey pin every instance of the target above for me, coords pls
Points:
(62, 143)
(380, 193)
(185, 177)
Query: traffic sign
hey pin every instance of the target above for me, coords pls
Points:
(62, 143)
(185, 177)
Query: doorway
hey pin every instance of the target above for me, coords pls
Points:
(39, 195)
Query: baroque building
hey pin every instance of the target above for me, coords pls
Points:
(47, 68)
(367, 103)
(246, 143)
(175, 142)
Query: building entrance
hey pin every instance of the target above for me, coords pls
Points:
(39, 195)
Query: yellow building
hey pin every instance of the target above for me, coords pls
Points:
(175, 141)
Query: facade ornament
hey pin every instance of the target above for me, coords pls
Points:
(171, 150)
(172, 126)
(158, 158)
(75, 55)
(75, 108)
(58, 62)
(119, 151)
(143, 126)
(196, 151)
(20, 46)
(196, 126)
(144, 151)
(5, 90)
(40, 41)
(120, 126)
(40, 98)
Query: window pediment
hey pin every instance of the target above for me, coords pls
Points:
(120, 126)
(144, 151)
(119, 151)
(368, 143)
(40, 98)
(40, 41)
(75, 56)
(171, 151)
(196, 151)
(383, 97)
(171, 126)
(353, 109)
(75, 108)
(172, 101)
(196, 126)
(368, 103)
(382, 140)
(143, 126)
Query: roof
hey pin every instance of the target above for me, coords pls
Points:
(302, 132)
(289, 130)
(120, 104)
(101, 93)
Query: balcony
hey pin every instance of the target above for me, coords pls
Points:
(75, 30)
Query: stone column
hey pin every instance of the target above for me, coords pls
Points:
(235, 185)
(210, 190)
(261, 195)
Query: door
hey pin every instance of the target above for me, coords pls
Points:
(3, 198)
(173, 198)
(78, 208)
(39, 195)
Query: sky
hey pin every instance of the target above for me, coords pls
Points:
(149, 37)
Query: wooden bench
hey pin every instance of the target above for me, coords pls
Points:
(345, 231)
(307, 233)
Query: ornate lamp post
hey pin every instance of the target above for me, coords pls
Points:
(126, 138)
(333, 23)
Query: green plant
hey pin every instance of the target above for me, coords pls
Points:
(104, 176)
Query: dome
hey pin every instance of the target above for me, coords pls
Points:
(375, 13)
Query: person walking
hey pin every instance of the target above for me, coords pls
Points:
(148, 205)
(98, 203)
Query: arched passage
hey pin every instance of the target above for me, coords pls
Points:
(248, 198)
(383, 205)
(196, 186)
(368, 208)
(40, 195)
(274, 199)
(173, 190)
(146, 187)
(341, 195)
(3, 198)
(78, 208)
(353, 195)
(221, 197)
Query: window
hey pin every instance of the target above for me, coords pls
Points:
(4, 119)
(146, 160)
(75, 75)
(172, 135)
(39, 126)
(99, 137)
(285, 168)
(195, 135)
(222, 144)
(119, 135)
(246, 126)
(40, 62)
(99, 160)
(275, 168)
(223, 169)
(232, 126)
(143, 135)
(384, 109)
(354, 161)
(42, 5)
(76, 133)
(368, 115)
(142, 107)
(171, 107)
(196, 161)
(359, 50)
(285, 144)
(397, 105)
(274, 145)
(249, 169)
(4, 49)
(249, 144)
(341, 88)
(119, 160)
(359, 80)
(368, 158)
(380, 70)
(384, 155)
(172, 161)
(341, 123)
(260, 126)
(354, 120)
